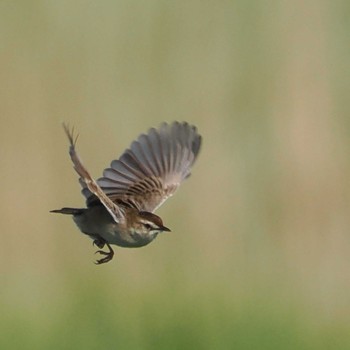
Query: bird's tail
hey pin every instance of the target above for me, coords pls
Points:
(69, 211)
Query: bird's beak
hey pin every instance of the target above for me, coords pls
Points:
(163, 228)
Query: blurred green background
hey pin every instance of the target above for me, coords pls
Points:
(260, 249)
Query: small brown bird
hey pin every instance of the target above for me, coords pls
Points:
(120, 204)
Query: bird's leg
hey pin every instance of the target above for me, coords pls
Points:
(108, 255)
(99, 242)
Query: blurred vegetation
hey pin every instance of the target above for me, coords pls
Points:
(260, 249)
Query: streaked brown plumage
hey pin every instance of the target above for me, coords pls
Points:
(120, 204)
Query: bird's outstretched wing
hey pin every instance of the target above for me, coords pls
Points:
(88, 181)
(152, 169)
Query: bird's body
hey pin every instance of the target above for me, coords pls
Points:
(120, 205)
(96, 219)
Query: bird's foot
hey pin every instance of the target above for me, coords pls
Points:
(108, 255)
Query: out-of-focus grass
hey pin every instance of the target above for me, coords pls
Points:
(259, 253)
(156, 319)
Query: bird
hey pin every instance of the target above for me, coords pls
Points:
(120, 205)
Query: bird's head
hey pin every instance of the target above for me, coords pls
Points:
(150, 223)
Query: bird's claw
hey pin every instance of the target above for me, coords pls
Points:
(102, 252)
(104, 260)
(108, 255)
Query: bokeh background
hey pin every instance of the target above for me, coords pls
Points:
(260, 249)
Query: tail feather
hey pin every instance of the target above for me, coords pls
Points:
(69, 211)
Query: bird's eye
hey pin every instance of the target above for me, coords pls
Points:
(148, 226)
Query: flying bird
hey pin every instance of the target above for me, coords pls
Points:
(121, 204)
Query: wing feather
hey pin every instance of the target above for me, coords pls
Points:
(152, 169)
